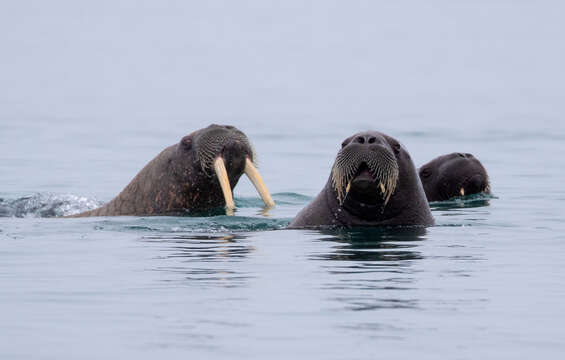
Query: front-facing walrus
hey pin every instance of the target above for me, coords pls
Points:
(194, 175)
(373, 182)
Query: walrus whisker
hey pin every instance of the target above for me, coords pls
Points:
(257, 181)
(381, 165)
(222, 173)
(212, 143)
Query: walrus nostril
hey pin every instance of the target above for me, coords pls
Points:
(360, 140)
(372, 140)
(461, 155)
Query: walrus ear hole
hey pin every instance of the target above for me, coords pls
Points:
(186, 142)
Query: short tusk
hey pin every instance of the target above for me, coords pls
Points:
(257, 181)
(222, 174)
(462, 191)
(382, 188)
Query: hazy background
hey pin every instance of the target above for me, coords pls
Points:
(277, 60)
(93, 90)
(92, 84)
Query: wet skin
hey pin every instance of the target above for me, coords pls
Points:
(373, 183)
(453, 175)
(195, 175)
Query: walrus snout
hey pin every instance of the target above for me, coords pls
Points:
(235, 153)
(476, 184)
(239, 158)
(366, 162)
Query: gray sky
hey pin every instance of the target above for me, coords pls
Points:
(274, 60)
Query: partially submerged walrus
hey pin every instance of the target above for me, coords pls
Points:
(453, 175)
(373, 182)
(194, 175)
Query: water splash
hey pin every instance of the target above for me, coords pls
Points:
(47, 205)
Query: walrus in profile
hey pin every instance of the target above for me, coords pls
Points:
(194, 175)
(373, 182)
(453, 175)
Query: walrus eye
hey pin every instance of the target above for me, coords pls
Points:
(186, 142)
(426, 172)
(396, 148)
(343, 144)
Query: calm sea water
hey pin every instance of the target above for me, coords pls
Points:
(93, 92)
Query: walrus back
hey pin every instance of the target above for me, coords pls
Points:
(138, 197)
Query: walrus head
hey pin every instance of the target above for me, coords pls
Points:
(453, 175)
(373, 182)
(220, 154)
(367, 173)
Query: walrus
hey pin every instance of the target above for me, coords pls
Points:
(453, 175)
(373, 182)
(195, 175)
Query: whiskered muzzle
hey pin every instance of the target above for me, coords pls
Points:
(253, 175)
(229, 153)
(211, 144)
(380, 163)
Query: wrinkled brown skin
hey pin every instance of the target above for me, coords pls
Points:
(445, 176)
(407, 206)
(173, 183)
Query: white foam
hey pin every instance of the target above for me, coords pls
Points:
(47, 205)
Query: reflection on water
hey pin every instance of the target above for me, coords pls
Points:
(202, 260)
(389, 245)
(376, 263)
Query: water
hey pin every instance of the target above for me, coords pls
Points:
(93, 92)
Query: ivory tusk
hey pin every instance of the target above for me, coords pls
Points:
(257, 181)
(222, 174)
(382, 188)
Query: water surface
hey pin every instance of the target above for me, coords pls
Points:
(95, 91)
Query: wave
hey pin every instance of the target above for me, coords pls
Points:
(166, 226)
(47, 205)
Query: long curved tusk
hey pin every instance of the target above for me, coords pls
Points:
(257, 181)
(222, 174)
